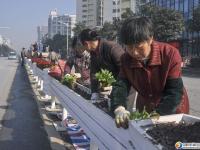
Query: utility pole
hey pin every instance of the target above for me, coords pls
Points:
(67, 25)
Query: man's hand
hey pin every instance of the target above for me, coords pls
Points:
(121, 117)
(94, 97)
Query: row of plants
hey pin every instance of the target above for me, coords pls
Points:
(166, 134)
(41, 63)
(69, 80)
(106, 79)
(44, 64)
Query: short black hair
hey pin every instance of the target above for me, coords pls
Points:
(135, 30)
(88, 35)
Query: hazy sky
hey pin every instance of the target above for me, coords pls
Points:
(23, 17)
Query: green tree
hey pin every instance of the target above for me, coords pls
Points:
(193, 26)
(5, 49)
(128, 13)
(168, 24)
(107, 31)
(48, 42)
(58, 44)
(78, 28)
(194, 23)
(111, 30)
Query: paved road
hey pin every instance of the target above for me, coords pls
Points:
(21, 127)
(191, 79)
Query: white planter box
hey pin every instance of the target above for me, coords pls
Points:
(98, 125)
(140, 127)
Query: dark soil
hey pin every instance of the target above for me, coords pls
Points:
(168, 134)
(82, 93)
(103, 104)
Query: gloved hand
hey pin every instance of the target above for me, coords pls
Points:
(94, 97)
(121, 117)
(106, 90)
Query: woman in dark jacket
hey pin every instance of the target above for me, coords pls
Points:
(103, 55)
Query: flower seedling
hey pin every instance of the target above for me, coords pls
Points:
(105, 78)
(143, 115)
(69, 80)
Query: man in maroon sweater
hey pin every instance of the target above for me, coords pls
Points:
(153, 69)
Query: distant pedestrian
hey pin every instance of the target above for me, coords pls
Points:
(22, 56)
(53, 56)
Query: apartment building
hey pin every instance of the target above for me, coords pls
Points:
(86, 11)
(113, 9)
(94, 13)
(60, 24)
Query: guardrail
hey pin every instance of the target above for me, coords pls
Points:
(98, 125)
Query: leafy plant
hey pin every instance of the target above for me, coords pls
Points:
(68, 80)
(143, 115)
(105, 78)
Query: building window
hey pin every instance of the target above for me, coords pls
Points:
(115, 18)
(84, 0)
(114, 10)
(116, 2)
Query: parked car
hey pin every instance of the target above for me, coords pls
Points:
(12, 55)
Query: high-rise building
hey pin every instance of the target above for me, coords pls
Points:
(42, 32)
(94, 13)
(113, 9)
(60, 24)
(86, 11)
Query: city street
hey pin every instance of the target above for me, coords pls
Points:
(21, 127)
(191, 79)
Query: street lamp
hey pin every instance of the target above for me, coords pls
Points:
(67, 24)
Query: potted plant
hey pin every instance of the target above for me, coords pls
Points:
(105, 79)
(69, 80)
(43, 64)
(143, 115)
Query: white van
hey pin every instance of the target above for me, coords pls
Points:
(12, 55)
